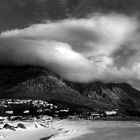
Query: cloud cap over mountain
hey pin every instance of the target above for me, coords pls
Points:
(101, 47)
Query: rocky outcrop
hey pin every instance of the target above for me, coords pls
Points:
(20, 125)
(10, 127)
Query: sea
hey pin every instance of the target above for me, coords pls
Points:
(113, 131)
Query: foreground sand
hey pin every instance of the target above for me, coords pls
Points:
(63, 130)
(57, 130)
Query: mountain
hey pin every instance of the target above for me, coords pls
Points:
(115, 94)
(28, 82)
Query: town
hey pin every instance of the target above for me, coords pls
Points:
(15, 109)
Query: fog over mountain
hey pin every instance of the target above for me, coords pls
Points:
(28, 82)
(83, 41)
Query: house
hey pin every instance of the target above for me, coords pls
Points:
(63, 113)
(64, 110)
(9, 112)
(111, 113)
(95, 115)
(26, 112)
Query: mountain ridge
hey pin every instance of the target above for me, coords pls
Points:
(39, 83)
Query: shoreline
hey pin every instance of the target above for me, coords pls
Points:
(55, 131)
(63, 129)
(70, 130)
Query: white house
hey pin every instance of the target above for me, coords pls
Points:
(112, 112)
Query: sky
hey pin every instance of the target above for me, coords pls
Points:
(99, 47)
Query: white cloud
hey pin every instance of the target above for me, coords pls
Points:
(102, 47)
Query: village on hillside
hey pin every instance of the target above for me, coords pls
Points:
(15, 109)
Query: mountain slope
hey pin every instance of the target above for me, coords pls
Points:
(118, 95)
(37, 83)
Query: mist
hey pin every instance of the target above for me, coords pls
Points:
(100, 47)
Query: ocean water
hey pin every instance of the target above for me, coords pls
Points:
(122, 132)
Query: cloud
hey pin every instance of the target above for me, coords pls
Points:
(102, 47)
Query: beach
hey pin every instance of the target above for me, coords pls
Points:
(38, 131)
(74, 130)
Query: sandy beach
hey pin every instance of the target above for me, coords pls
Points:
(34, 130)
(74, 130)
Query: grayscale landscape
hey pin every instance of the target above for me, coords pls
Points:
(69, 69)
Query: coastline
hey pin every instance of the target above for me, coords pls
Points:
(66, 130)
(54, 131)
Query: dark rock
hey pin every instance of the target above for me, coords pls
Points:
(20, 125)
(10, 127)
